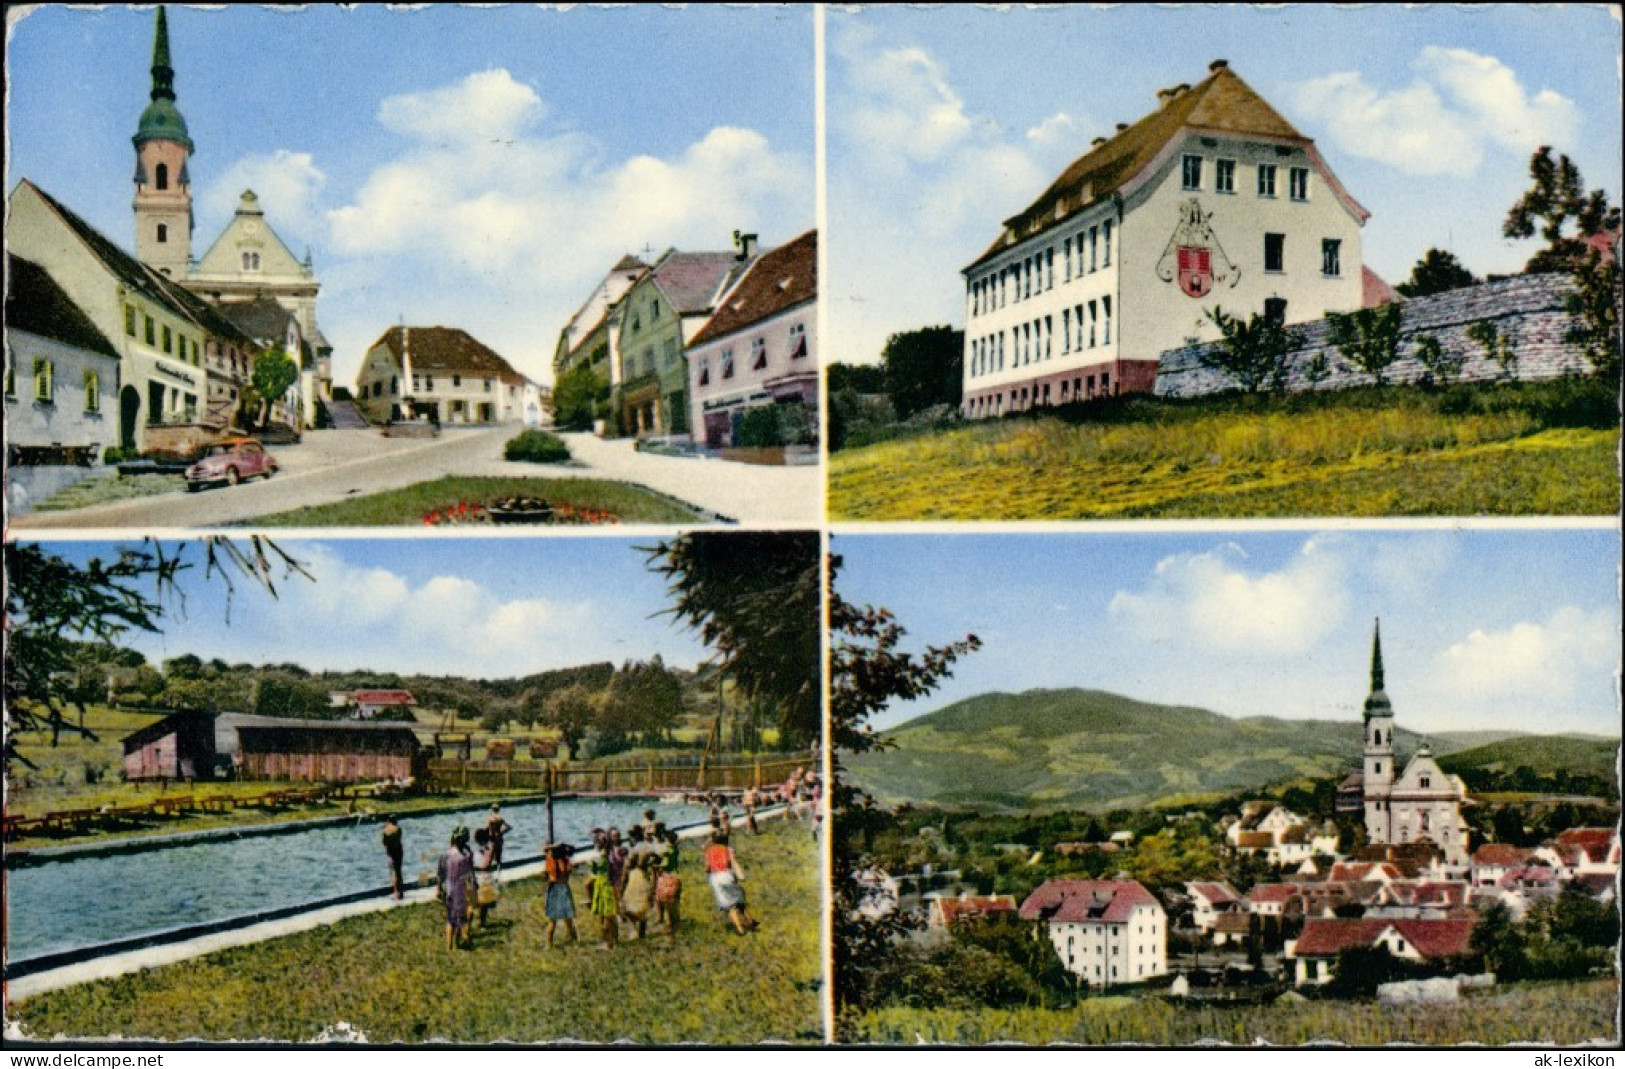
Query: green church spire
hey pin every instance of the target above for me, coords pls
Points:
(162, 121)
(1377, 703)
(1376, 656)
(163, 75)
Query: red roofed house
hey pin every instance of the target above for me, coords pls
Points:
(1598, 849)
(1363, 871)
(1105, 931)
(758, 348)
(1213, 200)
(442, 374)
(366, 704)
(945, 912)
(1494, 860)
(1270, 899)
(1316, 949)
(1209, 901)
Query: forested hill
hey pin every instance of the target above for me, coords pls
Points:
(1075, 748)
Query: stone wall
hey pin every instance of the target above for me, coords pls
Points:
(1530, 307)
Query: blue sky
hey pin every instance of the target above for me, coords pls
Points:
(450, 164)
(1512, 629)
(483, 607)
(943, 122)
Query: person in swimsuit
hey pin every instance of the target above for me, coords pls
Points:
(396, 852)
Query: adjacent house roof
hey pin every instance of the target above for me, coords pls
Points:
(136, 276)
(1326, 937)
(1272, 892)
(262, 319)
(35, 303)
(691, 281)
(1216, 893)
(953, 909)
(779, 279)
(448, 350)
(1086, 901)
(1501, 855)
(1220, 104)
(1596, 842)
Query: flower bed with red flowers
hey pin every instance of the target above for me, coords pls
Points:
(518, 510)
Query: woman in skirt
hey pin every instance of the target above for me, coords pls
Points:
(561, 905)
(722, 870)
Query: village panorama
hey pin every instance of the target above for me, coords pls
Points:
(1068, 865)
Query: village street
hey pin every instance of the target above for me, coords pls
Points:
(331, 465)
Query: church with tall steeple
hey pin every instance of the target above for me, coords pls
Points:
(248, 272)
(1422, 804)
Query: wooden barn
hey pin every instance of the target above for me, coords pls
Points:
(181, 746)
(326, 751)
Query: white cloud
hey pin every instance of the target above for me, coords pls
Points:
(485, 106)
(352, 615)
(905, 106)
(487, 220)
(289, 186)
(1460, 105)
(1211, 603)
(1058, 129)
(1534, 662)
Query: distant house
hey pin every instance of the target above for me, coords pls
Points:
(759, 347)
(1314, 953)
(1105, 932)
(1270, 899)
(1209, 901)
(1493, 860)
(62, 378)
(946, 912)
(196, 745)
(367, 704)
(178, 747)
(1596, 850)
(440, 374)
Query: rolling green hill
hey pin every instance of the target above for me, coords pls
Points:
(1542, 753)
(1053, 749)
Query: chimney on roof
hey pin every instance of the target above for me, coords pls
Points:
(1218, 65)
(744, 246)
(1165, 95)
(1097, 142)
(1122, 126)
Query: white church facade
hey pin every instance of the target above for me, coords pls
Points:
(1213, 201)
(1422, 803)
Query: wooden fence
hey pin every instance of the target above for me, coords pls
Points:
(626, 778)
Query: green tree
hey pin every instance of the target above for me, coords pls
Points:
(1566, 217)
(579, 397)
(571, 712)
(1438, 271)
(1595, 305)
(1251, 352)
(863, 378)
(923, 368)
(1499, 942)
(755, 598)
(1367, 338)
(867, 671)
(274, 372)
(644, 699)
(1438, 365)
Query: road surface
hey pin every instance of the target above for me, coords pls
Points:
(331, 465)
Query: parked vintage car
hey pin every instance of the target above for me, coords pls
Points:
(230, 461)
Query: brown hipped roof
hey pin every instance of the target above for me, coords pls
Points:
(1221, 104)
(448, 350)
(780, 279)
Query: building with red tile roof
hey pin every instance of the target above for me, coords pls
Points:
(1106, 932)
(946, 912)
(1315, 950)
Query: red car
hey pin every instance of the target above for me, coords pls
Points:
(230, 461)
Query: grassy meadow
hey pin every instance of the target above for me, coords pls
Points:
(390, 978)
(1548, 1014)
(1498, 449)
(409, 505)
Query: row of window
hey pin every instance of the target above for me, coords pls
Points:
(425, 383)
(1078, 388)
(173, 342)
(758, 355)
(1031, 343)
(1224, 178)
(45, 385)
(1082, 253)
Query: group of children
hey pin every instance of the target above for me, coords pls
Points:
(631, 884)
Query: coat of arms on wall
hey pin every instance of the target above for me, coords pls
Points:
(1194, 258)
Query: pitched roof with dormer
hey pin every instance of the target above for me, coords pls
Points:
(1222, 104)
(779, 280)
(693, 281)
(35, 303)
(448, 350)
(1086, 901)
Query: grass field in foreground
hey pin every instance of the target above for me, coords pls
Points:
(1374, 453)
(409, 506)
(1548, 1014)
(390, 978)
